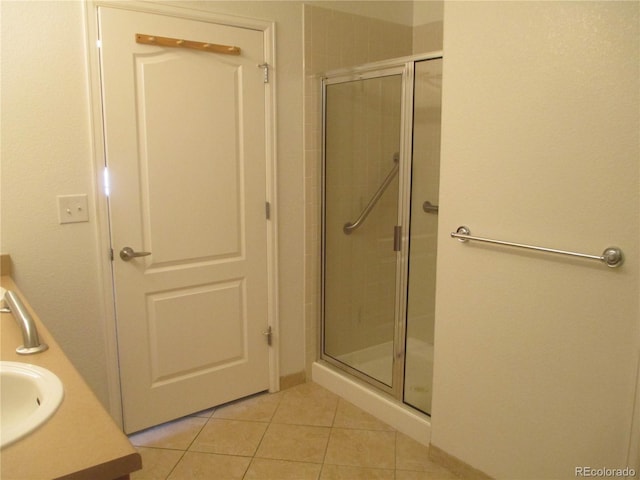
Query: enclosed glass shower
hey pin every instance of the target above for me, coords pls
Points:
(380, 220)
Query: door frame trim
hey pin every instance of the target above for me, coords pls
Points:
(99, 162)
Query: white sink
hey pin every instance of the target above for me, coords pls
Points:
(30, 396)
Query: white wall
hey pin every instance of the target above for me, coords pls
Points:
(46, 151)
(536, 356)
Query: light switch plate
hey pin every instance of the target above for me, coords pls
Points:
(73, 208)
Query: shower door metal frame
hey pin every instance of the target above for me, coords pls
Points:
(404, 66)
(342, 76)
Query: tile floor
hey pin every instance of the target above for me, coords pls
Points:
(305, 432)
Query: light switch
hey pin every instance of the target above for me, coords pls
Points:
(73, 208)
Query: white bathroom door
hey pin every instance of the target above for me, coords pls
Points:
(186, 153)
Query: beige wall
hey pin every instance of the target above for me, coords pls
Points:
(46, 151)
(335, 39)
(536, 357)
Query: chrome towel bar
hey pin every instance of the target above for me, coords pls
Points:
(612, 256)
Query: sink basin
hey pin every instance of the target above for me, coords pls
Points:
(30, 395)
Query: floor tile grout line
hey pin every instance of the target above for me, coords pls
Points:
(333, 427)
(395, 452)
(208, 419)
(326, 447)
(184, 452)
(253, 457)
(168, 449)
(271, 422)
(198, 434)
(175, 465)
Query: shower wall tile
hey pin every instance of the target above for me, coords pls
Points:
(338, 40)
(427, 37)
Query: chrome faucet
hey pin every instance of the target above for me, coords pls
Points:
(27, 325)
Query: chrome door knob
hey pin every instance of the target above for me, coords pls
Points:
(127, 253)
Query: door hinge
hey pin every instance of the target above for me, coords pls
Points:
(397, 238)
(269, 334)
(267, 210)
(111, 254)
(265, 68)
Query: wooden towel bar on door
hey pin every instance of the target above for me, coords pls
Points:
(180, 43)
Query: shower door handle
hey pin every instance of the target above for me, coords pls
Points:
(428, 207)
(397, 238)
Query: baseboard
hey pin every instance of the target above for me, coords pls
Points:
(457, 466)
(292, 380)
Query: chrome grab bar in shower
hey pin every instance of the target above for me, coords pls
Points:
(352, 226)
(612, 256)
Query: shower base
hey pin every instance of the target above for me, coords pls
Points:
(403, 418)
(376, 362)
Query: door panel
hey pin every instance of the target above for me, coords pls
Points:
(208, 349)
(362, 145)
(185, 141)
(425, 176)
(169, 125)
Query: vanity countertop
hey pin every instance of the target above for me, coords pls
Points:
(81, 441)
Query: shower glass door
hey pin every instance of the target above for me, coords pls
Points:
(362, 145)
(425, 181)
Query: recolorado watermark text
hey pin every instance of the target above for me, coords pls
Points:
(604, 472)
